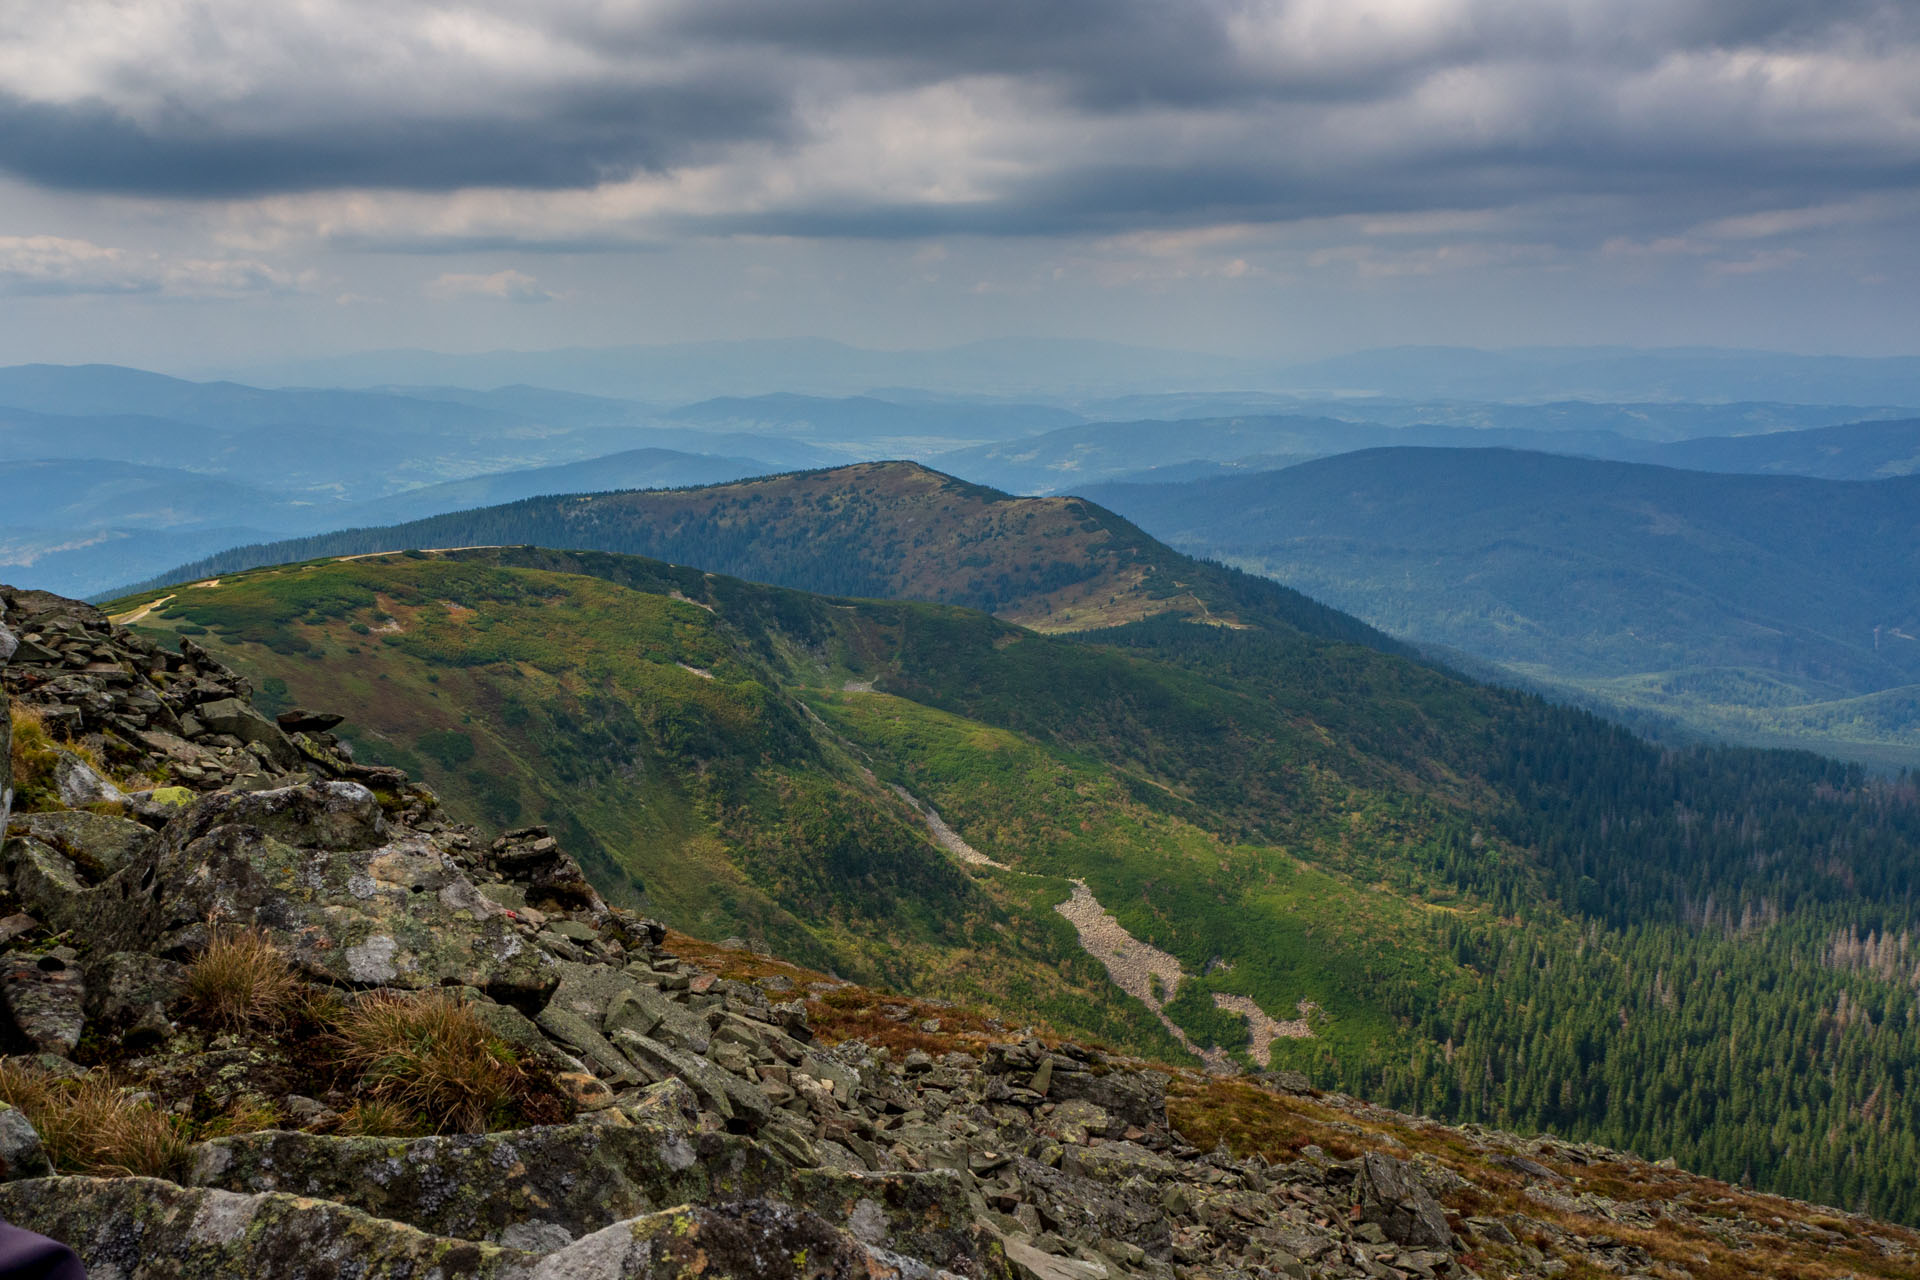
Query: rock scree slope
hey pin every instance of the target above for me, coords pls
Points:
(655, 1106)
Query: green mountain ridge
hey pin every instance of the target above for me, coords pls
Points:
(1477, 904)
(892, 529)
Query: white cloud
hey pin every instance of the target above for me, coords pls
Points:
(502, 286)
(56, 265)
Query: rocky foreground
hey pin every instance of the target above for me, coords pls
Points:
(269, 1013)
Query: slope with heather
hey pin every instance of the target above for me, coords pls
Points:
(1490, 907)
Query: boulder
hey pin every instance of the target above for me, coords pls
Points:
(301, 720)
(721, 1091)
(537, 1189)
(1392, 1197)
(145, 1229)
(79, 784)
(98, 844)
(232, 716)
(47, 998)
(47, 882)
(761, 1239)
(322, 815)
(21, 1155)
(399, 914)
(129, 995)
(552, 879)
(6, 739)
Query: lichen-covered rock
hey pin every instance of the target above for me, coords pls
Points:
(79, 784)
(756, 1240)
(98, 844)
(47, 882)
(46, 997)
(21, 1155)
(232, 716)
(534, 1188)
(129, 995)
(7, 646)
(1391, 1197)
(550, 877)
(145, 1229)
(400, 914)
(921, 1215)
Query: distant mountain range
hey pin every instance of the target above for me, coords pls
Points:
(1066, 371)
(1074, 457)
(1767, 608)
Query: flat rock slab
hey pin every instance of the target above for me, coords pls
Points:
(146, 1229)
(536, 1189)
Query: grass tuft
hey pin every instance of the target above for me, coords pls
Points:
(242, 980)
(429, 1055)
(89, 1125)
(379, 1118)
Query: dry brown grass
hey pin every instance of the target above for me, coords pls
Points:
(242, 980)
(378, 1118)
(1254, 1121)
(89, 1125)
(428, 1054)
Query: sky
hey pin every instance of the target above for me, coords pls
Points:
(193, 184)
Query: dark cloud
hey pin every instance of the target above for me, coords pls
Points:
(590, 136)
(1095, 114)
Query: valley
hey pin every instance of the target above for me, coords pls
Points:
(1768, 610)
(1468, 888)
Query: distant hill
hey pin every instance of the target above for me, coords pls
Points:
(1755, 606)
(883, 529)
(1617, 374)
(860, 418)
(633, 469)
(1163, 450)
(1850, 451)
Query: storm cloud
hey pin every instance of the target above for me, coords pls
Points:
(871, 118)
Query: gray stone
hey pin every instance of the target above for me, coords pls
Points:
(79, 784)
(47, 997)
(401, 914)
(232, 716)
(574, 1178)
(145, 1229)
(98, 844)
(727, 1094)
(47, 882)
(1391, 1197)
(21, 1155)
(574, 1031)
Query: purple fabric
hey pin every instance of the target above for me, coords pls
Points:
(26, 1256)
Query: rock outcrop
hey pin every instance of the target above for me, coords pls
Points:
(674, 1109)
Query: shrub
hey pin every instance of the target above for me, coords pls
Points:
(88, 1125)
(430, 1055)
(242, 980)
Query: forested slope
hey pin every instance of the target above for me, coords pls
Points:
(1473, 902)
